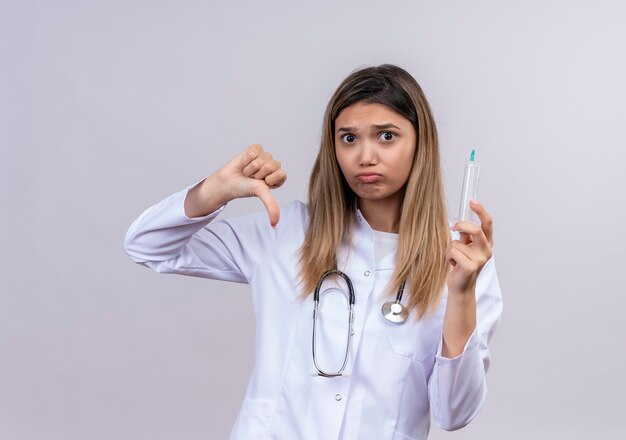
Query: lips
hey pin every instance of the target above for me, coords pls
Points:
(369, 177)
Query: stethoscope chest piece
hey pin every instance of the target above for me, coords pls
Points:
(395, 312)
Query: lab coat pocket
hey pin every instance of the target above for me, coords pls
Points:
(254, 420)
(417, 341)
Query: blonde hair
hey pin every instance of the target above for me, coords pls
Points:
(423, 234)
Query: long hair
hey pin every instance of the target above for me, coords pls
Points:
(424, 233)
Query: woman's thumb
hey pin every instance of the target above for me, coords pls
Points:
(263, 192)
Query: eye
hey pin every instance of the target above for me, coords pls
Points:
(348, 138)
(387, 136)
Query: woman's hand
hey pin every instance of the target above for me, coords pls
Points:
(250, 173)
(469, 254)
(467, 257)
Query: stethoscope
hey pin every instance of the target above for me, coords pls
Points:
(393, 311)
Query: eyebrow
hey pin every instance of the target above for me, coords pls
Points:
(377, 126)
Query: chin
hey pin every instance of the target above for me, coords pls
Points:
(367, 193)
(373, 193)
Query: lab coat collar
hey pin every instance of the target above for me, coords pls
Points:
(361, 220)
(362, 226)
(364, 229)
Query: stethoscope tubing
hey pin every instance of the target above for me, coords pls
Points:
(316, 299)
(398, 317)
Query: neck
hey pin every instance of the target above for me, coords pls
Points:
(382, 215)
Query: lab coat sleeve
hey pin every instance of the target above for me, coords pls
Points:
(457, 387)
(164, 239)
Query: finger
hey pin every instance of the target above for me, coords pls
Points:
(276, 179)
(266, 169)
(478, 255)
(449, 257)
(478, 248)
(475, 231)
(465, 263)
(467, 250)
(486, 221)
(250, 154)
(465, 237)
(255, 166)
(273, 210)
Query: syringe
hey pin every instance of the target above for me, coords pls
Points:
(470, 190)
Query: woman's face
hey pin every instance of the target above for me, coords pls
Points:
(375, 148)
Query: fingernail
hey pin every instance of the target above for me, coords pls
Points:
(473, 201)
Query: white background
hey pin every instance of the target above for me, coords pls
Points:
(107, 107)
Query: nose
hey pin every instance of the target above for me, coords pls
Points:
(367, 154)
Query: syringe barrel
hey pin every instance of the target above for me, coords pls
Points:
(470, 190)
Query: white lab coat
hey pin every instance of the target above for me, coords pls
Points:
(397, 374)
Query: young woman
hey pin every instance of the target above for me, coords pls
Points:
(401, 323)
